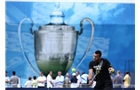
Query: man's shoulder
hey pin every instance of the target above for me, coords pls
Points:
(7, 77)
(14, 76)
(92, 61)
(44, 76)
(62, 76)
(84, 75)
(39, 76)
(117, 76)
(48, 76)
(104, 59)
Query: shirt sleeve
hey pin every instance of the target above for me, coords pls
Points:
(108, 64)
(124, 77)
(45, 78)
(49, 78)
(7, 79)
(90, 66)
(25, 83)
(62, 79)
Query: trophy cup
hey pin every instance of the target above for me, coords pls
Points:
(55, 43)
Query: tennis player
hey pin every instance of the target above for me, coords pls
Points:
(101, 68)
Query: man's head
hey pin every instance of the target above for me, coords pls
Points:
(41, 73)
(118, 72)
(50, 73)
(29, 78)
(127, 73)
(97, 55)
(34, 77)
(77, 73)
(14, 73)
(59, 73)
(5, 73)
(68, 75)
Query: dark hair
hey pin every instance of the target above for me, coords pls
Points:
(119, 72)
(14, 73)
(34, 77)
(127, 73)
(29, 78)
(98, 52)
(53, 77)
(49, 72)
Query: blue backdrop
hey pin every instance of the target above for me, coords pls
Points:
(114, 33)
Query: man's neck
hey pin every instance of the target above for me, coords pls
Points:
(99, 60)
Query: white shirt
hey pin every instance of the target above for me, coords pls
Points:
(59, 80)
(18, 83)
(54, 82)
(28, 84)
(49, 79)
(79, 79)
(41, 78)
(67, 79)
(84, 78)
(7, 79)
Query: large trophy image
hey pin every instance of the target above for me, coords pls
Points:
(55, 43)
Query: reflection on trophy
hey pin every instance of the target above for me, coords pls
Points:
(55, 43)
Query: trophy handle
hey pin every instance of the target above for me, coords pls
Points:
(20, 41)
(91, 38)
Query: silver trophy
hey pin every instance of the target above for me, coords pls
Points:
(55, 43)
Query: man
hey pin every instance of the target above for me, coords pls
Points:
(101, 69)
(14, 80)
(6, 79)
(49, 80)
(118, 79)
(67, 81)
(127, 80)
(74, 81)
(59, 80)
(79, 79)
(28, 83)
(34, 82)
(84, 79)
(41, 80)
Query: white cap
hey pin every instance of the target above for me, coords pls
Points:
(73, 74)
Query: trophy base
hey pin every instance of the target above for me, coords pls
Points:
(54, 65)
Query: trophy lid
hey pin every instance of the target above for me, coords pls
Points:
(57, 15)
(57, 21)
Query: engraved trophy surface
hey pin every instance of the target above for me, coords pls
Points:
(55, 43)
